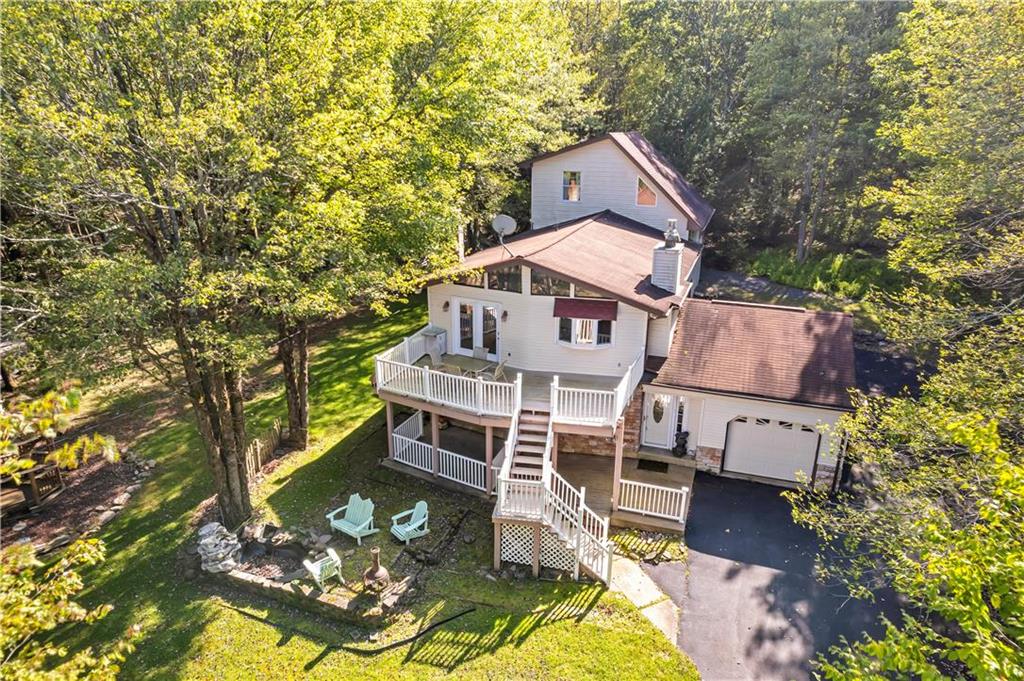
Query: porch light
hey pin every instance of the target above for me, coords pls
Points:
(504, 315)
(447, 306)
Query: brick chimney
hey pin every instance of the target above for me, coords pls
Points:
(667, 264)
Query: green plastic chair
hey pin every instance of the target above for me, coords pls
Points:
(415, 527)
(325, 568)
(356, 520)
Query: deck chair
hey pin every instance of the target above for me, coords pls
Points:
(497, 374)
(415, 526)
(356, 520)
(325, 568)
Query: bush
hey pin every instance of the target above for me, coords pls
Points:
(849, 275)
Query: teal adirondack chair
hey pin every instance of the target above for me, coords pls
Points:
(415, 526)
(325, 568)
(356, 520)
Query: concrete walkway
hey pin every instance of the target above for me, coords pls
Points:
(633, 583)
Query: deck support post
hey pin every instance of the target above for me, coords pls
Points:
(497, 547)
(488, 458)
(435, 441)
(389, 412)
(554, 450)
(536, 550)
(617, 470)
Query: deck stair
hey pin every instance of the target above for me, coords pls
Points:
(530, 443)
(530, 489)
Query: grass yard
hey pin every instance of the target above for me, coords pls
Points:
(193, 629)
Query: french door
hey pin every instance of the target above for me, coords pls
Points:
(477, 323)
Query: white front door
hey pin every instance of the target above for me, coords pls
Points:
(477, 323)
(659, 420)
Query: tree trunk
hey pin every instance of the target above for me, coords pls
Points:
(215, 394)
(293, 350)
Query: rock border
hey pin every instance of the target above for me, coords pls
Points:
(334, 606)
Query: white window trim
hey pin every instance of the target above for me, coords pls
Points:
(592, 345)
(561, 188)
(636, 193)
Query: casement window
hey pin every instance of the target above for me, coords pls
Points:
(571, 185)
(542, 284)
(585, 333)
(506, 278)
(645, 196)
(474, 279)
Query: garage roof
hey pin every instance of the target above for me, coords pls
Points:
(779, 353)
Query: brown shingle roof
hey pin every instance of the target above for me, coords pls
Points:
(779, 353)
(656, 166)
(606, 251)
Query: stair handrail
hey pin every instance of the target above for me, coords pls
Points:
(511, 440)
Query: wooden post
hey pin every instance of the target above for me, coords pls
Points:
(488, 457)
(435, 441)
(536, 550)
(389, 412)
(497, 546)
(617, 475)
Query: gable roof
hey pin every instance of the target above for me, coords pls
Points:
(607, 252)
(656, 166)
(779, 353)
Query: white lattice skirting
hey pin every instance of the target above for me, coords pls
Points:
(517, 544)
(555, 554)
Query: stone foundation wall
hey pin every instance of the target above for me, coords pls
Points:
(709, 459)
(600, 445)
(823, 477)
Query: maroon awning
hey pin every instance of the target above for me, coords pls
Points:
(583, 308)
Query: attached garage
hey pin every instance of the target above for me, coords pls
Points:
(770, 448)
(763, 387)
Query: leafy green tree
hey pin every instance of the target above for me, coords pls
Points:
(936, 505)
(37, 598)
(272, 164)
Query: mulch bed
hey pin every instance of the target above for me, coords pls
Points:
(94, 484)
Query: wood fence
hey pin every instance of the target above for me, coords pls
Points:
(261, 450)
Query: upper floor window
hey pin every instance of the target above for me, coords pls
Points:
(693, 235)
(542, 284)
(571, 185)
(506, 278)
(474, 279)
(645, 196)
(585, 332)
(584, 292)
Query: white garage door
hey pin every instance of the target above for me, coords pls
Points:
(770, 449)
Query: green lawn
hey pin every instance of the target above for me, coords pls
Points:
(191, 629)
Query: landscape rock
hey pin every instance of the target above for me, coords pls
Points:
(133, 488)
(219, 548)
(468, 538)
(19, 526)
(60, 540)
(100, 509)
(122, 499)
(106, 517)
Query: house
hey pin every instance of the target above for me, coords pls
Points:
(569, 372)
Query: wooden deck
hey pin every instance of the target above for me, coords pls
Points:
(596, 474)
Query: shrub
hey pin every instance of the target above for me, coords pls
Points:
(849, 275)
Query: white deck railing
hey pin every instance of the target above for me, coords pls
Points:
(588, 407)
(413, 453)
(463, 469)
(394, 371)
(653, 500)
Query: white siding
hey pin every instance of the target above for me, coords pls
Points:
(660, 332)
(708, 416)
(607, 182)
(529, 339)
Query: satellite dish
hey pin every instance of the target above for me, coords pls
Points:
(503, 225)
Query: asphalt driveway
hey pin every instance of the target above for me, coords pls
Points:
(751, 608)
